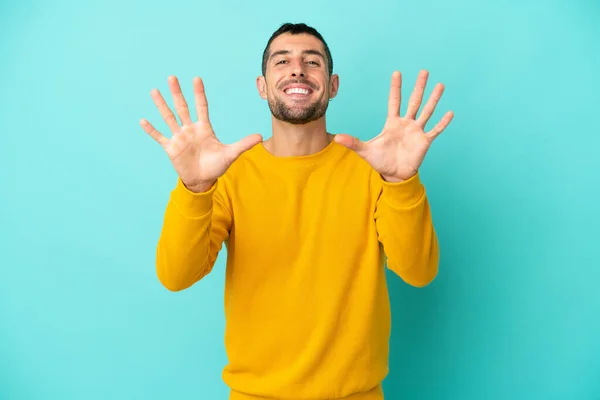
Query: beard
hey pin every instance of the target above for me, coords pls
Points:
(297, 115)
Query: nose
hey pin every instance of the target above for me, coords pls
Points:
(298, 70)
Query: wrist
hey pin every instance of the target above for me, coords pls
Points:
(201, 187)
(392, 179)
(398, 179)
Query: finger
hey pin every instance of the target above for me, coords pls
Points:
(395, 95)
(430, 106)
(165, 111)
(235, 150)
(417, 95)
(156, 135)
(351, 142)
(201, 103)
(181, 106)
(439, 128)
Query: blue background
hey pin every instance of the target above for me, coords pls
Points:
(513, 183)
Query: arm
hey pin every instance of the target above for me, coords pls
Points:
(196, 220)
(195, 226)
(402, 214)
(405, 229)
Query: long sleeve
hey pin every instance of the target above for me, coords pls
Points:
(406, 231)
(194, 228)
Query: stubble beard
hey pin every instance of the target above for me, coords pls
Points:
(297, 115)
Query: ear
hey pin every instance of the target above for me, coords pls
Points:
(261, 85)
(334, 84)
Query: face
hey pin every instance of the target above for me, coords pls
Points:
(297, 83)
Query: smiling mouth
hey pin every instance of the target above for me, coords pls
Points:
(298, 93)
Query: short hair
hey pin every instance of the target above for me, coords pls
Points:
(296, 29)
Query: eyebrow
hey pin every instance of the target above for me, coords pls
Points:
(304, 52)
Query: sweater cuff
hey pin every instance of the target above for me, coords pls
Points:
(190, 204)
(403, 194)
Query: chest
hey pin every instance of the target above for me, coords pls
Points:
(282, 211)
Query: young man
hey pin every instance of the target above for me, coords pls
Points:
(308, 219)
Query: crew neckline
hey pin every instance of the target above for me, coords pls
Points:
(307, 160)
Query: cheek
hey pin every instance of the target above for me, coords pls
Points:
(271, 85)
(272, 91)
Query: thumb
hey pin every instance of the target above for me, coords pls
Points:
(236, 149)
(350, 142)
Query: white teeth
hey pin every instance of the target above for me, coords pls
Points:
(297, 90)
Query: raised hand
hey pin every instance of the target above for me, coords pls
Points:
(398, 151)
(194, 150)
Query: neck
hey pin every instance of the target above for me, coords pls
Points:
(297, 140)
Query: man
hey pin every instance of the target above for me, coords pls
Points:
(308, 219)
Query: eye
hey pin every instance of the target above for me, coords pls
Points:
(280, 62)
(314, 63)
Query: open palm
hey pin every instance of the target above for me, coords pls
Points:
(199, 158)
(398, 151)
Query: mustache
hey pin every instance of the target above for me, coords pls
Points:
(298, 81)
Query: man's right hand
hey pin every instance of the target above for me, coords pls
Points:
(197, 155)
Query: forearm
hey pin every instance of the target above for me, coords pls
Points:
(188, 243)
(407, 233)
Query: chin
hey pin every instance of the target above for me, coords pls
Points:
(296, 113)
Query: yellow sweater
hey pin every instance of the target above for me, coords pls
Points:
(306, 302)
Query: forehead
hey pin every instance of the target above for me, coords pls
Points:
(296, 43)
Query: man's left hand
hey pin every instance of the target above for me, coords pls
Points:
(398, 151)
